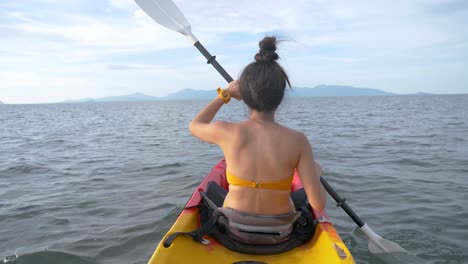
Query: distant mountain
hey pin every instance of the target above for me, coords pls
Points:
(320, 90)
(2, 102)
(127, 98)
(336, 90)
(79, 100)
(135, 97)
(190, 94)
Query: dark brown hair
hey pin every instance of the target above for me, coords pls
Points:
(262, 82)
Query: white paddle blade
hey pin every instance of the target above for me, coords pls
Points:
(167, 14)
(378, 245)
(381, 245)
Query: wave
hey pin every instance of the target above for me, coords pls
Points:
(24, 168)
(47, 257)
(100, 184)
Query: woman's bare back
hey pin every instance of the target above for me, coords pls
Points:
(259, 149)
(261, 152)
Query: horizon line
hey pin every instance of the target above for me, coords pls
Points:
(161, 98)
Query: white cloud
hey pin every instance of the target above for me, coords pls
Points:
(81, 43)
(396, 24)
(126, 5)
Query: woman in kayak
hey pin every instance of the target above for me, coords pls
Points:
(261, 154)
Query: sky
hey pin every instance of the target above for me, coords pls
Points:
(55, 50)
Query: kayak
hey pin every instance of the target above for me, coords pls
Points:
(326, 246)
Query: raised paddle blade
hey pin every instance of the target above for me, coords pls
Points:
(379, 245)
(167, 14)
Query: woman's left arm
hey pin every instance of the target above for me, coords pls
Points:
(201, 126)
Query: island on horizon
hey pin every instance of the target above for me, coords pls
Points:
(192, 94)
(134, 97)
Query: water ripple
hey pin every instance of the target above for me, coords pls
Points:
(102, 182)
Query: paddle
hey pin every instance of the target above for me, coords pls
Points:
(166, 13)
(377, 245)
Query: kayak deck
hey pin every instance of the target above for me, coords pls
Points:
(325, 247)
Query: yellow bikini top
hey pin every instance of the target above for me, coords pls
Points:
(274, 185)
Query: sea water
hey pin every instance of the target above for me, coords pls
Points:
(103, 182)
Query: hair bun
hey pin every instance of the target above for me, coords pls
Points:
(267, 50)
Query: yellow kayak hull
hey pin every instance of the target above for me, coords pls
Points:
(326, 246)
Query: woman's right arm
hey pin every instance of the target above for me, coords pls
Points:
(309, 173)
(213, 132)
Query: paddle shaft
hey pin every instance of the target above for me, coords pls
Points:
(212, 60)
(342, 203)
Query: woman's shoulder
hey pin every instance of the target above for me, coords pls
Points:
(245, 127)
(296, 134)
